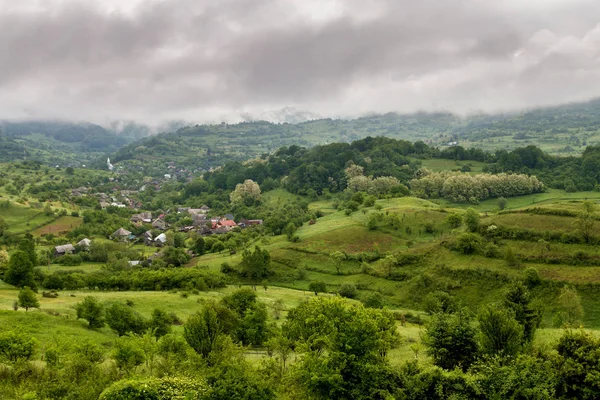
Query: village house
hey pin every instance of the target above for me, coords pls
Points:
(84, 244)
(199, 219)
(148, 239)
(64, 249)
(227, 223)
(250, 222)
(159, 223)
(145, 217)
(160, 240)
(122, 234)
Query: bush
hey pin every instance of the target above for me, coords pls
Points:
(454, 220)
(369, 201)
(374, 300)
(317, 287)
(348, 290)
(70, 260)
(122, 319)
(154, 388)
(468, 243)
(491, 250)
(532, 277)
(436, 302)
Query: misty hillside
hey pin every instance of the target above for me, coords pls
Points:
(57, 141)
(563, 130)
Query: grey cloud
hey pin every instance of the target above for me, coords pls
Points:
(203, 61)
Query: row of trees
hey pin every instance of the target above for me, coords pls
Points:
(462, 187)
(326, 348)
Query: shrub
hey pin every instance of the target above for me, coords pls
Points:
(468, 243)
(70, 260)
(369, 201)
(348, 290)
(439, 301)
(123, 319)
(317, 287)
(454, 220)
(15, 346)
(491, 250)
(532, 277)
(374, 300)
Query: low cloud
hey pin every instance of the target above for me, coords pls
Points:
(206, 61)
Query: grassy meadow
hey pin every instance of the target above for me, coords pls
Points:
(422, 241)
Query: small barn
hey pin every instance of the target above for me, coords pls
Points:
(84, 244)
(63, 249)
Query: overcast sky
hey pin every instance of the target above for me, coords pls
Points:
(200, 61)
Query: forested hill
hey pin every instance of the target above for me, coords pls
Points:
(57, 142)
(564, 130)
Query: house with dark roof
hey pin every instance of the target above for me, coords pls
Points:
(148, 239)
(159, 223)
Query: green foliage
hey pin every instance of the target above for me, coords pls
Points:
(519, 302)
(123, 319)
(28, 299)
(251, 324)
(463, 187)
(127, 353)
(511, 258)
(348, 290)
(27, 246)
(369, 201)
(70, 260)
(160, 323)
(16, 346)
(525, 377)
(374, 300)
(440, 302)
(451, 340)
(317, 287)
(238, 382)
(247, 193)
(502, 202)
(454, 220)
(577, 366)
(202, 330)
(256, 264)
(167, 388)
(472, 220)
(501, 333)
(468, 243)
(175, 256)
(532, 278)
(199, 246)
(344, 348)
(92, 311)
(570, 309)
(20, 270)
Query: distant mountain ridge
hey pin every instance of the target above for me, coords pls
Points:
(564, 129)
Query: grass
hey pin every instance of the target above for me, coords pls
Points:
(538, 199)
(20, 218)
(60, 226)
